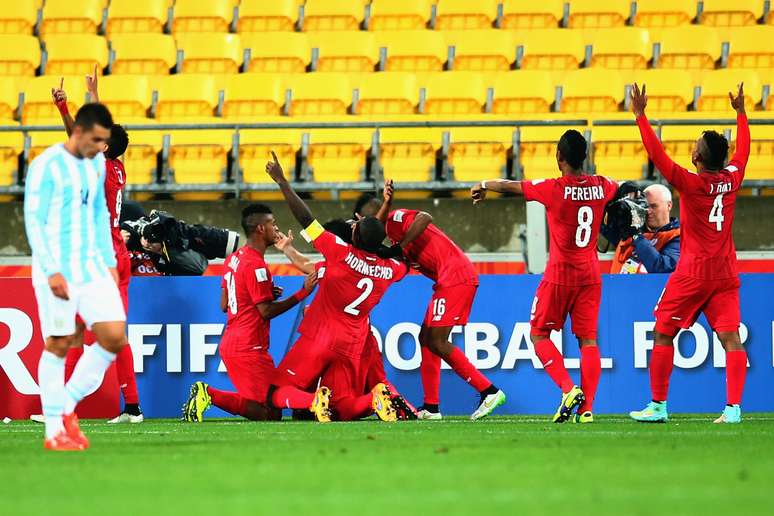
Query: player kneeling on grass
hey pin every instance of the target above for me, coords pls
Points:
(250, 301)
(335, 327)
(572, 283)
(706, 278)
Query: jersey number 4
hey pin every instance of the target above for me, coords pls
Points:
(367, 286)
(231, 289)
(716, 213)
(583, 233)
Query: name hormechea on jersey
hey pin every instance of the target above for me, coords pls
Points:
(375, 271)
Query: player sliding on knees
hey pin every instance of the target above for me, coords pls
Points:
(249, 299)
(571, 284)
(706, 279)
(335, 326)
(456, 282)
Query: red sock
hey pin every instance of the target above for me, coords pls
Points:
(661, 361)
(352, 408)
(126, 378)
(467, 371)
(291, 397)
(553, 363)
(231, 402)
(430, 371)
(591, 368)
(736, 371)
(73, 355)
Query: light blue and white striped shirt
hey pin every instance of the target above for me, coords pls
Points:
(66, 217)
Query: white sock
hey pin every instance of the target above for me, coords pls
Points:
(51, 372)
(87, 375)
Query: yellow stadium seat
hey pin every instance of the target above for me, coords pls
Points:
(39, 107)
(618, 153)
(464, 14)
(664, 13)
(413, 51)
(620, 48)
(199, 157)
(523, 92)
(141, 157)
(746, 49)
(143, 54)
(198, 16)
(72, 17)
(333, 15)
(125, 96)
(278, 52)
(485, 50)
(687, 48)
(320, 94)
(716, 85)
(345, 51)
(262, 16)
(592, 90)
(18, 17)
(669, 91)
(248, 96)
(71, 54)
(9, 98)
(210, 53)
(185, 97)
(551, 49)
(19, 55)
(408, 154)
(137, 16)
(255, 147)
(728, 13)
(479, 152)
(388, 93)
(518, 14)
(761, 163)
(11, 144)
(338, 155)
(399, 14)
(593, 14)
(453, 93)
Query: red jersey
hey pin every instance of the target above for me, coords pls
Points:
(352, 283)
(707, 202)
(115, 180)
(574, 207)
(142, 264)
(436, 255)
(247, 282)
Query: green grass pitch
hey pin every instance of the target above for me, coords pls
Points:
(503, 465)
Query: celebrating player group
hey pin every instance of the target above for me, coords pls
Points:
(334, 370)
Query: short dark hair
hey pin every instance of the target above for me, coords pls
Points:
(362, 201)
(572, 147)
(118, 141)
(252, 216)
(370, 233)
(716, 147)
(93, 114)
(341, 228)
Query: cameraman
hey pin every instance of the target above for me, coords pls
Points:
(657, 248)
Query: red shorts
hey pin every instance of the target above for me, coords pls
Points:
(124, 268)
(450, 306)
(251, 373)
(684, 298)
(371, 366)
(553, 303)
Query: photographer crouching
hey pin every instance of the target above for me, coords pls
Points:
(166, 246)
(647, 239)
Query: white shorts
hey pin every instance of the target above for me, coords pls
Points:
(96, 301)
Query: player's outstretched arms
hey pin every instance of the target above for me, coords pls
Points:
(91, 85)
(384, 209)
(742, 152)
(417, 226)
(60, 101)
(651, 142)
(300, 261)
(297, 206)
(478, 192)
(271, 309)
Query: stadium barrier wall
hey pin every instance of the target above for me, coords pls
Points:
(175, 325)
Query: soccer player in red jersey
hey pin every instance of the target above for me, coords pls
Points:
(115, 180)
(248, 298)
(456, 282)
(706, 279)
(575, 204)
(335, 327)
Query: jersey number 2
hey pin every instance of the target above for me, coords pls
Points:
(231, 289)
(716, 213)
(583, 233)
(367, 286)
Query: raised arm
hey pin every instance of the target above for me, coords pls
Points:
(298, 259)
(91, 86)
(297, 206)
(271, 309)
(416, 228)
(668, 168)
(60, 101)
(386, 206)
(478, 192)
(742, 152)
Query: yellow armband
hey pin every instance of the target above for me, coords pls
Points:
(312, 232)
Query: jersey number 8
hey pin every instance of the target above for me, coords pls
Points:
(583, 233)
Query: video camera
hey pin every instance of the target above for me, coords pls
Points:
(626, 214)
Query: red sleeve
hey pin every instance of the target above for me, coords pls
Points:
(398, 222)
(401, 269)
(258, 283)
(538, 190)
(676, 175)
(738, 162)
(330, 246)
(611, 188)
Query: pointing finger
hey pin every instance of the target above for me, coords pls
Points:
(61, 83)
(274, 157)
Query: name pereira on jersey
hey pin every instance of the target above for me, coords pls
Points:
(584, 193)
(375, 271)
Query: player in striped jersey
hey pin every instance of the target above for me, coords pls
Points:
(73, 270)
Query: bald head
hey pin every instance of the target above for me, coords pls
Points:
(659, 199)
